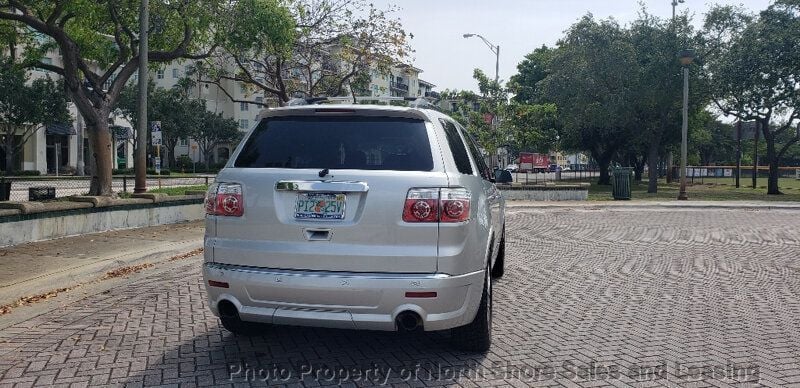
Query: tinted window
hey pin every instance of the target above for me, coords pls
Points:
(477, 156)
(457, 147)
(353, 142)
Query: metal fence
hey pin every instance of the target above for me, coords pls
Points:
(69, 186)
(533, 178)
(727, 175)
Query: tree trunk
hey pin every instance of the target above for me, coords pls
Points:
(102, 150)
(774, 172)
(9, 149)
(603, 162)
(652, 165)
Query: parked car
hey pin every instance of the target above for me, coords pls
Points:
(553, 168)
(512, 168)
(566, 168)
(357, 217)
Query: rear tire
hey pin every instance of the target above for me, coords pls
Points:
(477, 335)
(499, 267)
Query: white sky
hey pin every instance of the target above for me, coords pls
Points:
(518, 26)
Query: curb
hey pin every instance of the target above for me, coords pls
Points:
(641, 205)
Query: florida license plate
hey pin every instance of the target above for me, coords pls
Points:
(320, 206)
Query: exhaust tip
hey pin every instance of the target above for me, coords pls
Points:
(227, 309)
(409, 321)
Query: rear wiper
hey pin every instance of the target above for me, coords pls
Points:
(323, 173)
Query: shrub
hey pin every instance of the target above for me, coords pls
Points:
(26, 173)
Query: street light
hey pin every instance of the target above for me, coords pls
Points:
(496, 50)
(674, 5)
(686, 57)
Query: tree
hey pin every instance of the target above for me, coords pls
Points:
(214, 130)
(98, 45)
(334, 44)
(26, 108)
(658, 96)
(753, 65)
(178, 113)
(532, 70)
(593, 86)
(711, 140)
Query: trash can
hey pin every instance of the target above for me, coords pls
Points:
(621, 182)
(41, 193)
(5, 190)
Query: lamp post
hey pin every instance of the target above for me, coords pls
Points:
(686, 58)
(674, 5)
(140, 159)
(669, 154)
(496, 50)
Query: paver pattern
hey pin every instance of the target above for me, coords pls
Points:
(590, 298)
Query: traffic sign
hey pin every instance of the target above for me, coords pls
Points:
(156, 138)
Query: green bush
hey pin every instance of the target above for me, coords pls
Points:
(26, 173)
(152, 171)
(122, 171)
(184, 162)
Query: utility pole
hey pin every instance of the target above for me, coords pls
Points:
(738, 153)
(669, 154)
(686, 57)
(755, 153)
(140, 165)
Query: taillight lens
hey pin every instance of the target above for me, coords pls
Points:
(454, 204)
(225, 199)
(422, 205)
(437, 205)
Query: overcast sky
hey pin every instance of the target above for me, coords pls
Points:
(518, 26)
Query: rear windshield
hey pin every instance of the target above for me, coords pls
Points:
(353, 142)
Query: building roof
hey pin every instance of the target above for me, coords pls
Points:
(426, 83)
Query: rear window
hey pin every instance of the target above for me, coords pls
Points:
(353, 142)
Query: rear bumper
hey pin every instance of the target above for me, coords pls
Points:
(369, 301)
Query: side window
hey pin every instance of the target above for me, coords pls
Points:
(457, 147)
(477, 156)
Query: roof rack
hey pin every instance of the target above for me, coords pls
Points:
(414, 102)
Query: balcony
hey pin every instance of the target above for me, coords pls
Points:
(399, 86)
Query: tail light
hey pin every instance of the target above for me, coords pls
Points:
(225, 199)
(454, 204)
(437, 205)
(422, 205)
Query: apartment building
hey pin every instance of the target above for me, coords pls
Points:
(63, 148)
(400, 81)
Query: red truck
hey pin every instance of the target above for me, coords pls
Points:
(532, 162)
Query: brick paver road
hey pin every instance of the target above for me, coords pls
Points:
(592, 297)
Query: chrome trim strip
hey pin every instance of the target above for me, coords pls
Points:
(329, 186)
(310, 273)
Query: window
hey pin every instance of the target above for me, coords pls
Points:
(175, 73)
(457, 147)
(242, 88)
(243, 106)
(244, 124)
(352, 142)
(160, 73)
(260, 100)
(477, 156)
(184, 142)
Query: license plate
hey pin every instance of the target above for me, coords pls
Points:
(320, 206)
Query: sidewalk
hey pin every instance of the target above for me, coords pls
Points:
(632, 205)
(42, 267)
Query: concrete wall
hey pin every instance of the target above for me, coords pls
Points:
(546, 195)
(23, 228)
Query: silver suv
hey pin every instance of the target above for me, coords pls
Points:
(358, 217)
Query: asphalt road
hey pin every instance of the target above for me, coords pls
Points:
(591, 297)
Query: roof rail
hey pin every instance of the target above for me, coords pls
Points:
(414, 102)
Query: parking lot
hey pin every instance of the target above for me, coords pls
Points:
(591, 297)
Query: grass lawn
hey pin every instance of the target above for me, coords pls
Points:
(178, 190)
(705, 192)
